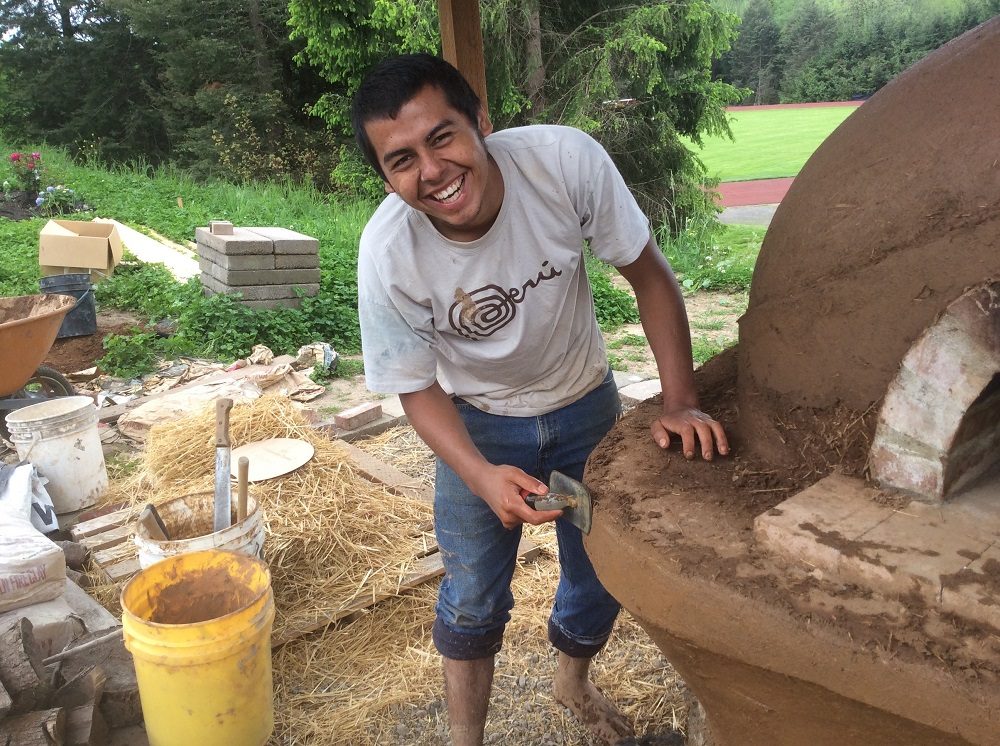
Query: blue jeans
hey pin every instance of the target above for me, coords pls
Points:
(479, 554)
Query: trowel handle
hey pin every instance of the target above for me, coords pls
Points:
(222, 407)
(550, 502)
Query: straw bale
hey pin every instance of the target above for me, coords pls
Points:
(331, 535)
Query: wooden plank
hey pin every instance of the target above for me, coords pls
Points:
(462, 42)
(388, 476)
(122, 571)
(97, 525)
(110, 538)
(424, 569)
(114, 554)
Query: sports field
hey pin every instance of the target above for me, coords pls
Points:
(770, 142)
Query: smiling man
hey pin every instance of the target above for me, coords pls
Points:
(476, 309)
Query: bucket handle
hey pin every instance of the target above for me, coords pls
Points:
(35, 438)
(79, 300)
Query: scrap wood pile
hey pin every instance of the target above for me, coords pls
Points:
(66, 697)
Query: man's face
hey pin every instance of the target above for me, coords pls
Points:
(436, 161)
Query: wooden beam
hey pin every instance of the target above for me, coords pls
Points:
(462, 42)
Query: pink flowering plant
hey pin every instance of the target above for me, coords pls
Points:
(27, 168)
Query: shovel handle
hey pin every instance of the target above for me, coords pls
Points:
(222, 407)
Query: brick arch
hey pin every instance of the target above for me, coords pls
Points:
(939, 427)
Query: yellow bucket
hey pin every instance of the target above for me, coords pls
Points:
(198, 626)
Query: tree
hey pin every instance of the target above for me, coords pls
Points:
(231, 99)
(753, 60)
(74, 74)
(637, 76)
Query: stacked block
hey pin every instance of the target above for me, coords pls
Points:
(266, 265)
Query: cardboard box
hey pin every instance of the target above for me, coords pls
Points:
(66, 246)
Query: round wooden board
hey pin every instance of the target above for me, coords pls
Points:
(272, 458)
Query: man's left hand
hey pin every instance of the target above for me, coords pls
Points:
(690, 424)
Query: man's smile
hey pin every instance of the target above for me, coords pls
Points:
(450, 193)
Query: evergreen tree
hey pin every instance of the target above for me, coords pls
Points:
(753, 62)
(637, 76)
(74, 74)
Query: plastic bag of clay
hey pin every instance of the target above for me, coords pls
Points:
(23, 490)
(318, 355)
(32, 568)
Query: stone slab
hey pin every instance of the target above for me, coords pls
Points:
(906, 552)
(62, 619)
(241, 242)
(296, 261)
(287, 241)
(973, 592)
(262, 292)
(241, 278)
(837, 527)
(634, 393)
(238, 261)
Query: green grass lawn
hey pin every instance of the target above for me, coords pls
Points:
(769, 143)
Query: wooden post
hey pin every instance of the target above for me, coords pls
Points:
(462, 42)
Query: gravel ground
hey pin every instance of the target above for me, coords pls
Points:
(523, 713)
(631, 670)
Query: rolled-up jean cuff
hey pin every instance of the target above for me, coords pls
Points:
(460, 647)
(561, 642)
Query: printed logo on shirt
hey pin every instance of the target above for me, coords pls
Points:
(484, 311)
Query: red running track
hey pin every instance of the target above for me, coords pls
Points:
(760, 192)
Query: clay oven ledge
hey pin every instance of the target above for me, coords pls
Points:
(802, 601)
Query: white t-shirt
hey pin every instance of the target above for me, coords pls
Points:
(506, 321)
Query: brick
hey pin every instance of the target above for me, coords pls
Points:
(220, 228)
(924, 409)
(241, 242)
(892, 466)
(978, 312)
(357, 416)
(244, 261)
(296, 261)
(270, 277)
(947, 358)
(288, 241)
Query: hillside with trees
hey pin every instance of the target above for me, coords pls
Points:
(257, 91)
(790, 51)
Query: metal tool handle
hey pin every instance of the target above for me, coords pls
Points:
(222, 407)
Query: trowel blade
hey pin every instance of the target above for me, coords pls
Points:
(580, 513)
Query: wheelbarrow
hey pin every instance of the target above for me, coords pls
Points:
(28, 327)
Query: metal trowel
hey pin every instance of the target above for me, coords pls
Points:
(567, 495)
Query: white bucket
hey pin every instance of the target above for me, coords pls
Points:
(188, 520)
(59, 437)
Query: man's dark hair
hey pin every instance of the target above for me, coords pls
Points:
(394, 81)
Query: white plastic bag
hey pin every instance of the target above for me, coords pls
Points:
(23, 491)
(32, 568)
